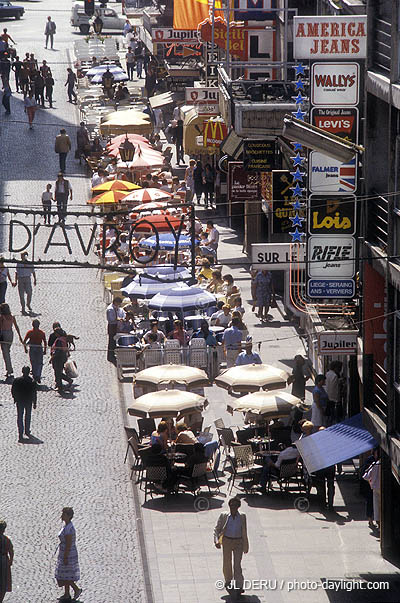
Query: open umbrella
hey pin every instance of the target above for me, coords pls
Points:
(252, 377)
(144, 160)
(108, 197)
(192, 298)
(145, 288)
(120, 76)
(116, 141)
(101, 69)
(270, 404)
(189, 376)
(166, 242)
(130, 121)
(115, 185)
(169, 402)
(148, 194)
(168, 272)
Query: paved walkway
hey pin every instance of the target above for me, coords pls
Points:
(78, 456)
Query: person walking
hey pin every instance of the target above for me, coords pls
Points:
(139, 57)
(59, 356)
(230, 533)
(25, 271)
(7, 322)
(63, 190)
(6, 561)
(67, 569)
(263, 290)
(130, 63)
(49, 32)
(47, 198)
(320, 402)
(30, 107)
(6, 100)
(232, 339)
(114, 315)
(4, 275)
(82, 140)
(24, 392)
(23, 79)
(373, 477)
(62, 147)
(209, 178)
(35, 339)
(71, 82)
(189, 180)
(300, 374)
(16, 66)
(38, 84)
(49, 87)
(198, 179)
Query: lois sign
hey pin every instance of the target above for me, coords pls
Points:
(330, 37)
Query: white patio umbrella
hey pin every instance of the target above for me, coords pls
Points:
(189, 376)
(191, 298)
(169, 402)
(146, 288)
(252, 377)
(269, 404)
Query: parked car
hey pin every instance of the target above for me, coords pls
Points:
(10, 10)
(111, 20)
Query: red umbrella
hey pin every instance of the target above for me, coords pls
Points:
(151, 207)
(148, 194)
(135, 138)
(145, 160)
(159, 222)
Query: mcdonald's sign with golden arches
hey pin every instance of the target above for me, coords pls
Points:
(214, 132)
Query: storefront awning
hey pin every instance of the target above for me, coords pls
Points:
(160, 100)
(335, 444)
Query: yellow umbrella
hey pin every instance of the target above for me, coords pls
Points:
(108, 197)
(252, 377)
(130, 122)
(270, 404)
(189, 376)
(169, 402)
(115, 185)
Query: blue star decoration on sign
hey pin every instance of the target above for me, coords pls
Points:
(298, 160)
(299, 84)
(297, 220)
(299, 69)
(297, 176)
(297, 205)
(297, 146)
(296, 235)
(299, 114)
(299, 99)
(297, 190)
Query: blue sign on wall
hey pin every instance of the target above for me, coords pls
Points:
(334, 288)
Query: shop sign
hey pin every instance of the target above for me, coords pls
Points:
(211, 56)
(331, 288)
(208, 110)
(238, 37)
(214, 132)
(282, 203)
(323, 37)
(342, 122)
(331, 214)
(328, 175)
(335, 84)
(331, 256)
(242, 185)
(165, 35)
(337, 342)
(202, 95)
(277, 256)
(259, 155)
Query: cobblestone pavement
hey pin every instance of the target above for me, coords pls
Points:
(77, 458)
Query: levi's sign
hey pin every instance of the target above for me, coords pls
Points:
(166, 35)
(342, 122)
(334, 84)
(337, 342)
(326, 37)
(277, 256)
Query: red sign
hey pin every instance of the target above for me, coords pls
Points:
(238, 37)
(214, 132)
(242, 185)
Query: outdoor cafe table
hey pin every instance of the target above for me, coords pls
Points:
(261, 441)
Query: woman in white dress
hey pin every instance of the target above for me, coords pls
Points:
(67, 569)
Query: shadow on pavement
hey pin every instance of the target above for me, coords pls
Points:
(341, 591)
(183, 503)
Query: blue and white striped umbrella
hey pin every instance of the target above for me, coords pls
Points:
(100, 69)
(166, 242)
(177, 298)
(145, 288)
(181, 273)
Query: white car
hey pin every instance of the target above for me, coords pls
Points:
(111, 19)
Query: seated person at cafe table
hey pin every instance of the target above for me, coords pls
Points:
(136, 308)
(270, 468)
(160, 337)
(248, 356)
(204, 333)
(179, 333)
(198, 457)
(185, 435)
(160, 435)
(151, 345)
(232, 339)
(224, 317)
(154, 457)
(172, 433)
(216, 284)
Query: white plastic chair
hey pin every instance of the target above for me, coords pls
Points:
(198, 355)
(152, 357)
(126, 360)
(172, 352)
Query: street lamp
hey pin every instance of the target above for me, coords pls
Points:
(127, 150)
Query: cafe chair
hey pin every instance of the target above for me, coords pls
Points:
(288, 472)
(192, 481)
(152, 357)
(243, 466)
(137, 466)
(153, 476)
(198, 355)
(213, 468)
(172, 352)
(126, 361)
(187, 449)
(146, 428)
(219, 423)
(130, 433)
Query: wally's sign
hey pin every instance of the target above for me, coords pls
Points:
(328, 37)
(334, 84)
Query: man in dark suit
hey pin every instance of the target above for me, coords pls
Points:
(24, 392)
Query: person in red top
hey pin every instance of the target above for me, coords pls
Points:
(35, 339)
(179, 333)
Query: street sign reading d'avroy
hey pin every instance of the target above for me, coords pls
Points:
(259, 155)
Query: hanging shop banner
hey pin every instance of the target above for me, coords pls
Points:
(259, 155)
(166, 35)
(331, 256)
(214, 132)
(277, 256)
(331, 214)
(342, 122)
(331, 288)
(282, 203)
(245, 10)
(242, 185)
(328, 175)
(337, 342)
(323, 37)
(202, 95)
(238, 37)
(335, 84)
